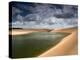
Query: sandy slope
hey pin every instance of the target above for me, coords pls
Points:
(69, 30)
(65, 47)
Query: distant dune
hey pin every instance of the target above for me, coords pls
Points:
(26, 31)
(68, 30)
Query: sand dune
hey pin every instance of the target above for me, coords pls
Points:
(20, 32)
(24, 31)
(64, 47)
(68, 30)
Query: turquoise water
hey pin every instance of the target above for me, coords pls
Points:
(33, 44)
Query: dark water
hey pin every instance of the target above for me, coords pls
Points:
(32, 45)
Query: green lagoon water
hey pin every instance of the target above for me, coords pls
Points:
(34, 44)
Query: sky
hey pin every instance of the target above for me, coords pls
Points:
(43, 15)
